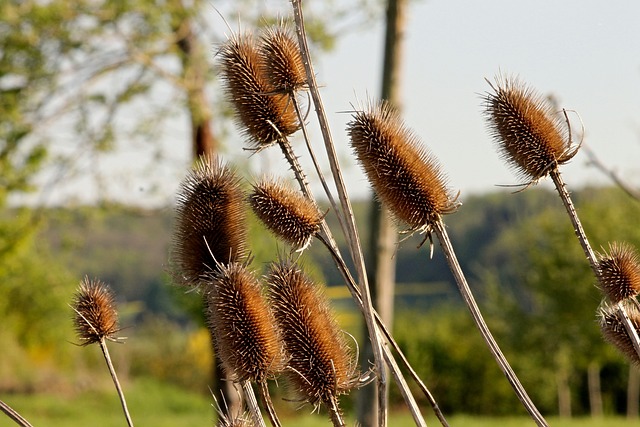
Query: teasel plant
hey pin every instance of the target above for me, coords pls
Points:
(535, 140)
(410, 182)
(96, 322)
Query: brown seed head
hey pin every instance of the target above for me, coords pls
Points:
(614, 332)
(246, 337)
(405, 176)
(619, 272)
(286, 212)
(264, 115)
(281, 60)
(210, 220)
(95, 317)
(527, 131)
(322, 366)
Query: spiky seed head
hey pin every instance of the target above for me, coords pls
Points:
(210, 220)
(404, 175)
(264, 115)
(286, 212)
(619, 272)
(615, 333)
(96, 317)
(281, 60)
(321, 364)
(242, 324)
(530, 136)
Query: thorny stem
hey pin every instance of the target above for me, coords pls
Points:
(586, 247)
(266, 399)
(353, 238)
(11, 413)
(252, 404)
(467, 296)
(334, 412)
(114, 377)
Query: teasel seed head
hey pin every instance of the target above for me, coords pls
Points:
(286, 212)
(210, 220)
(529, 134)
(246, 338)
(404, 175)
(265, 115)
(619, 272)
(321, 365)
(96, 318)
(614, 331)
(281, 60)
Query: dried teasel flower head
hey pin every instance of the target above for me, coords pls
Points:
(614, 331)
(281, 60)
(286, 212)
(96, 318)
(404, 175)
(321, 364)
(530, 136)
(619, 272)
(246, 338)
(264, 115)
(210, 220)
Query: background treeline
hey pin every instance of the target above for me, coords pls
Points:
(517, 249)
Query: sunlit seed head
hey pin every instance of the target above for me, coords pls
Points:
(614, 331)
(286, 212)
(619, 272)
(210, 220)
(281, 60)
(404, 175)
(264, 115)
(246, 338)
(529, 134)
(95, 316)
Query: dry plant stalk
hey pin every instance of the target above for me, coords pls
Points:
(95, 321)
(530, 136)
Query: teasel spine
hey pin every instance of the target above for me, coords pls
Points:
(321, 364)
(210, 221)
(265, 115)
(286, 212)
(615, 331)
(619, 272)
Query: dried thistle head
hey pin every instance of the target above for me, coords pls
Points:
(264, 115)
(321, 364)
(286, 212)
(281, 60)
(530, 136)
(247, 340)
(615, 333)
(210, 220)
(95, 318)
(404, 175)
(619, 272)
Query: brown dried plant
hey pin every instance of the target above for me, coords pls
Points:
(619, 272)
(614, 330)
(281, 60)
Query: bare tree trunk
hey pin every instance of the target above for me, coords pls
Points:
(595, 392)
(564, 393)
(633, 392)
(382, 238)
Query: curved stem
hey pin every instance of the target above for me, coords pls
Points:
(469, 299)
(11, 413)
(268, 403)
(114, 377)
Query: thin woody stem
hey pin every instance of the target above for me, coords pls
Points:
(470, 301)
(114, 377)
(268, 403)
(252, 404)
(334, 412)
(11, 413)
(591, 256)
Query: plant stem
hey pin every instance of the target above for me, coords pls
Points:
(114, 377)
(334, 412)
(468, 298)
(586, 247)
(268, 403)
(11, 413)
(252, 404)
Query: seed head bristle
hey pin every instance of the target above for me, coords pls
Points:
(281, 60)
(619, 272)
(95, 316)
(264, 115)
(404, 175)
(210, 220)
(614, 331)
(321, 364)
(529, 134)
(244, 328)
(286, 212)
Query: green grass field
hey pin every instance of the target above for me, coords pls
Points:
(160, 405)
